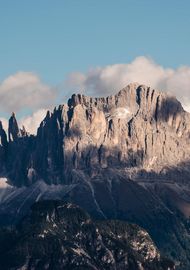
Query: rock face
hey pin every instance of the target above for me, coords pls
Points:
(62, 236)
(13, 130)
(123, 157)
(138, 129)
(3, 147)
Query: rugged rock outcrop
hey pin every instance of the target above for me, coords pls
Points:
(62, 236)
(13, 129)
(125, 156)
(139, 129)
(3, 147)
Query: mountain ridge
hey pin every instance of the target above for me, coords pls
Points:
(83, 114)
(121, 157)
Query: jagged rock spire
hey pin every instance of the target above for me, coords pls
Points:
(13, 129)
(3, 136)
(23, 131)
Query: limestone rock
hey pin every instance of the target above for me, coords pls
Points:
(125, 156)
(13, 129)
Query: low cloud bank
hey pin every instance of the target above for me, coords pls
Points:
(103, 81)
(24, 91)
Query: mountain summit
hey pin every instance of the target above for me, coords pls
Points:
(125, 156)
(138, 128)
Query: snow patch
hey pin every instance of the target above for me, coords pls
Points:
(31, 173)
(120, 113)
(41, 235)
(5, 189)
(3, 183)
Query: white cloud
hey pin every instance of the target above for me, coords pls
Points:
(103, 81)
(32, 122)
(25, 91)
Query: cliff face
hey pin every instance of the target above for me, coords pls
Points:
(137, 129)
(125, 156)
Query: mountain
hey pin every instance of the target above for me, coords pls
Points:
(62, 236)
(122, 157)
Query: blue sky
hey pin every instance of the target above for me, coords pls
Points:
(55, 37)
(52, 48)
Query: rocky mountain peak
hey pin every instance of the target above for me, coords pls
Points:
(112, 156)
(1, 125)
(138, 128)
(13, 129)
(3, 147)
(23, 132)
(135, 120)
(3, 135)
(135, 98)
(14, 132)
